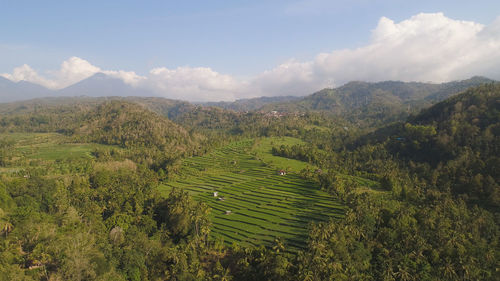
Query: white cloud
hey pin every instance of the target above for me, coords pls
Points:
(194, 84)
(290, 78)
(425, 47)
(129, 77)
(26, 73)
(72, 71)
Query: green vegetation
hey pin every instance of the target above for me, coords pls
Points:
(375, 104)
(45, 154)
(263, 151)
(264, 205)
(123, 189)
(50, 146)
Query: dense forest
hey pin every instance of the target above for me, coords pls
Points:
(81, 183)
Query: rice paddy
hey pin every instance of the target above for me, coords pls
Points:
(251, 203)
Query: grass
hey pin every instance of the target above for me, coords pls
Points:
(49, 146)
(50, 150)
(263, 204)
(263, 147)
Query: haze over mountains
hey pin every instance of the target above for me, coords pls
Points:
(349, 95)
(22, 90)
(98, 85)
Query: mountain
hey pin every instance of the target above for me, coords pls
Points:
(98, 85)
(22, 90)
(251, 104)
(102, 85)
(376, 103)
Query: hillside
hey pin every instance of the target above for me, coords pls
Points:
(457, 140)
(263, 205)
(251, 104)
(130, 125)
(151, 137)
(377, 103)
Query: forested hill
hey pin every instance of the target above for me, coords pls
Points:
(166, 107)
(377, 103)
(130, 125)
(251, 104)
(455, 142)
(152, 137)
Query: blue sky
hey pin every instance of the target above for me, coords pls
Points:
(237, 38)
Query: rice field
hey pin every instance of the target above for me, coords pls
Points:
(253, 204)
(50, 153)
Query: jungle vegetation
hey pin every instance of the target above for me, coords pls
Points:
(124, 188)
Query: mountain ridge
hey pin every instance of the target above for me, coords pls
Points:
(103, 85)
(380, 101)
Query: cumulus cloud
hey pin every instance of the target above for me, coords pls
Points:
(291, 78)
(194, 84)
(26, 73)
(425, 47)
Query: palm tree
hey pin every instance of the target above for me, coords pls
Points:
(7, 228)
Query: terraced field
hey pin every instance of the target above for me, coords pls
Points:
(53, 153)
(263, 205)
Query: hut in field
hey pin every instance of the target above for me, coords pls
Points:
(216, 193)
(228, 212)
(281, 172)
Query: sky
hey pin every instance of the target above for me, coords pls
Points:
(225, 50)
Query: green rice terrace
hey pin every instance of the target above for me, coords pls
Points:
(53, 153)
(252, 204)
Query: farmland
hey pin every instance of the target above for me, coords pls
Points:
(46, 153)
(262, 204)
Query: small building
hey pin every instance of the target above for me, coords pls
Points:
(228, 212)
(281, 172)
(216, 193)
(221, 199)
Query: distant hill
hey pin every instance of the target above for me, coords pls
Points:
(361, 103)
(98, 85)
(22, 90)
(373, 103)
(251, 104)
(166, 107)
